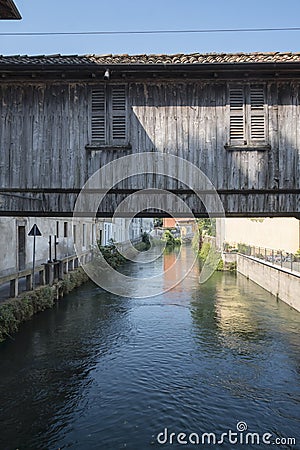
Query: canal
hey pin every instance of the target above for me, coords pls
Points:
(106, 372)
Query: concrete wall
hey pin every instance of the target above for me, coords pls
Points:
(274, 233)
(229, 257)
(279, 282)
(47, 226)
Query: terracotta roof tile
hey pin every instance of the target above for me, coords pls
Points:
(193, 58)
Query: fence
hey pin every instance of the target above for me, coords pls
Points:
(46, 273)
(277, 258)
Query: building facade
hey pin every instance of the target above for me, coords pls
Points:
(272, 233)
(233, 116)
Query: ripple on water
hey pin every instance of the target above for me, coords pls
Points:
(100, 371)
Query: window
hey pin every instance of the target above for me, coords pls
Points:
(74, 234)
(109, 115)
(57, 229)
(65, 229)
(83, 235)
(93, 233)
(248, 115)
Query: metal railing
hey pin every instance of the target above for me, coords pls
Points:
(278, 258)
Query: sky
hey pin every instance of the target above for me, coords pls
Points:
(131, 15)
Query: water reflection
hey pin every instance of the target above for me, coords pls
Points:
(104, 372)
(48, 365)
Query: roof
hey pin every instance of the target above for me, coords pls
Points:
(142, 60)
(8, 10)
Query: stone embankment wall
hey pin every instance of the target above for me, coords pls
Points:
(281, 282)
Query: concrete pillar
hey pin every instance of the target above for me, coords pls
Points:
(66, 266)
(29, 282)
(49, 273)
(14, 287)
(42, 280)
(72, 264)
(60, 270)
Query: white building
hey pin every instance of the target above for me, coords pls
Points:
(17, 247)
(272, 233)
(69, 235)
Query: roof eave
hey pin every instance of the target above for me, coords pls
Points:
(12, 11)
(153, 67)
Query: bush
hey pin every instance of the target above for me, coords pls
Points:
(111, 254)
(203, 254)
(297, 255)
(244, 249)
(170, 240)
(212, 259)
(17, 310)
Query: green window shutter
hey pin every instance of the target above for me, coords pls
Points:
(257, 113)
(237, 114)
(99, 115)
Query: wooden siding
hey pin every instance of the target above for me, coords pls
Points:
(45, 128)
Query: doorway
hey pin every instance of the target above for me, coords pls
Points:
(21, 247)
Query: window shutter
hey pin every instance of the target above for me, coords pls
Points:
(257, 112)
(236, 102)
(119, 106)
(99, 115)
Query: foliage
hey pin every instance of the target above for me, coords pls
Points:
(158, 222)
(73, 280)
(207, 226)
(244, 249)
(212, 259)
(146, 241)
(231, 266)
(297, 255)
(220, 266)
(111, 254)
(230, 248)
(203, 254)
(14, 311)
(17, 310)
(170, 240)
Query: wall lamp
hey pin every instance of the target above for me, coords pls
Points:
(106, 74)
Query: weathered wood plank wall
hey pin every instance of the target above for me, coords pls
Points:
(45, 127)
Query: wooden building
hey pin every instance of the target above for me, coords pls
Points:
(8, 10)
(234, 116)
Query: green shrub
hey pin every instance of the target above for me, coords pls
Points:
(14, 311)
(170, 240)
(232, 266)
(220, 266)
(111, 254)
(17, 310)
(203, 254)
(211, 259)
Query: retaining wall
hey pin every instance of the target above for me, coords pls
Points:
(281, 282)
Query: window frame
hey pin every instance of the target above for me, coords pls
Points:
(251, 117)
(111, 122)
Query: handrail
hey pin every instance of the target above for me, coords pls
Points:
(276, 258)
(47, 272)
